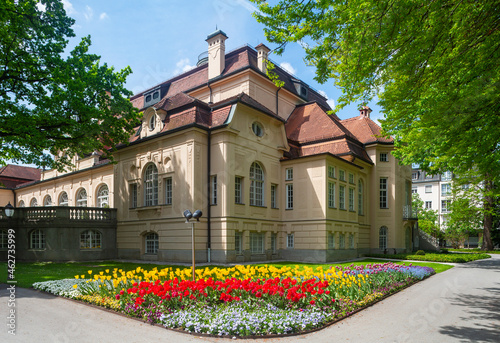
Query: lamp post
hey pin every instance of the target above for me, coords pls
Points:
(196, 215)
(9, 210)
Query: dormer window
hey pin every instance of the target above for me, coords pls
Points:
(152, 122)
(152, 97)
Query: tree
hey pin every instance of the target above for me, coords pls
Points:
(50, 103)
(433, 65)
(427, 218)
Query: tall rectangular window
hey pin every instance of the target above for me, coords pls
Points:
(289, 196)
(133, 195)
(168, 191)
(341, 175)
(428, 204)
(383, 192)
(290, 241)
(342, 241)
(289, 174)
(274, 242)
(342, 197)
(351, 178)
(447, 176)
(351, 199)
(331, 172)
(446, 189)
(445, 205)
(331, 240)
(238, 242)
(213, 190)
(238, 189)
(257, 243)
(384, 157)
(331, 194)
(351, 241)
(274, 196)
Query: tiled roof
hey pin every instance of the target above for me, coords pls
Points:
(20, 172)
(248, 100)
(366, 130)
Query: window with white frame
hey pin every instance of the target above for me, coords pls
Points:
(21, 204)
(238, 242)
(445, 189)
(151, 243)
(33, 202)
(414, 190)
(47, 201)
(342, 197)
(360, 197)
(342, 241)
(289, 196)
(274, 196)
(429, 176)
(4, 239)
(384, 157)
(257, 242)
(213, 190)
(133, 195)
(289, 174)
(103, 196)
(447, 176)
(331, 240)
(414, 176)
(428, 188)
(351, 178)
(428, 204)
(63, 199)
(151, 185)
(351, 199)
(81, 198)
(331, 172)
(445, 205)
(290, 241)
(274, 242)
(331, 194)
(37, 239)
(341, 175)
(351, 241)
(238, 190)
(382, 238)
(90, 239)
(256, 185)
(168, 191)
(383, 192)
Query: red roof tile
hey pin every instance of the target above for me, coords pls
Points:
(20, 172)
(366, 130)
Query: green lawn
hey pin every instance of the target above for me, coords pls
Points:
(437, 257)
(28, 273)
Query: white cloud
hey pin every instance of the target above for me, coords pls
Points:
(288, 67)
(103, 16)
(330, 102)
(68, 7)
(182, 66)
(89, 13)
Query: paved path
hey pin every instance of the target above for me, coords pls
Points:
(459, 305)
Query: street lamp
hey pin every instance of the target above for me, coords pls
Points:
(196, 215)
(9, 210)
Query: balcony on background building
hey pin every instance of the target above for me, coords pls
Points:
(409, 213)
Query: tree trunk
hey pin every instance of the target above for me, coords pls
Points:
(488, 215)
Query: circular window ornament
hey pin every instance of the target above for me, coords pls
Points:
(152, 123)
(257, 129)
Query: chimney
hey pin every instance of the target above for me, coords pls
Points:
(365, 111)
(216, 53)
(262, 52)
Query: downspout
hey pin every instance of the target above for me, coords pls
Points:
(209, 210)
(210, 100)
(277, 91)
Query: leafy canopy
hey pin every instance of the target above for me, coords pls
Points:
(50, 103)
(433, 65)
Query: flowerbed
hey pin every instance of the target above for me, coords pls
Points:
(240, 301)
(443, 257)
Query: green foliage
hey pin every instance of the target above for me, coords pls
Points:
(448, 258)
(50, 103)
(427, 218)
(420, 252)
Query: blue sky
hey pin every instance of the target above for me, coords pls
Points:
(159, 39)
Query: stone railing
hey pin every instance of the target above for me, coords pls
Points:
(63, 214)
(409, 212)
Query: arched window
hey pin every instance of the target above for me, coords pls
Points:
(382, 238)
(360, 197)
(256, 185)
(81, 198)
(152, 243)
(21, 203)
(37, 239)
(47, 201)
(33, 202)
(63, 199)
(151, 186)
(152, 122)
(103, 196)
(90, 239)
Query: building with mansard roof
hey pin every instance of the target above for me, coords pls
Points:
(275, 173)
